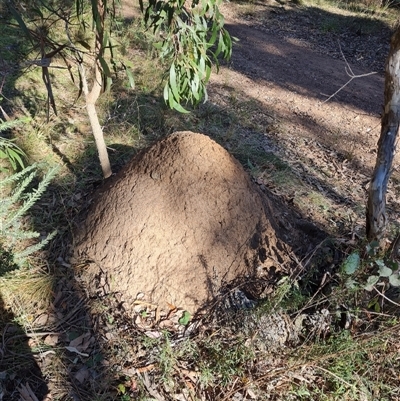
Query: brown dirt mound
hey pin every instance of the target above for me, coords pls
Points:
(179, 222)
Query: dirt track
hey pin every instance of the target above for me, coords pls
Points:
(294, 80)
(291, 79)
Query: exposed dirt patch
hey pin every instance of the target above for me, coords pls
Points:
(289, 61)
(291, 76)
(179, 222)
(286, 64)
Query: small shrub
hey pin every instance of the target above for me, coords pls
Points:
(13, 207)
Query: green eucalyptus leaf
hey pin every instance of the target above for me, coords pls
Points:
(130, 77)
(105, 40)
(385, 271)
(179, 108)
(213, 37)
(20, 22)
(84, 44)
(108, 84)
(171, 102)
(105, 67)
(202, 67)
(190, 33)
(173, 82)
(141, 6)
(205, 95)
(96, 16)
(372, 280)
(165, 93)
(208, 72)
(220, 45)
(352, 263)
(394, 280)
(184, 320)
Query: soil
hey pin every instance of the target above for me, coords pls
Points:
(319, 95)
(292, 77)
(180, 221)
(323, 90)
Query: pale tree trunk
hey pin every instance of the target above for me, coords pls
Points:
(91, 98)
(376, 207)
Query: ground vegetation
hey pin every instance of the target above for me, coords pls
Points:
(327, 329)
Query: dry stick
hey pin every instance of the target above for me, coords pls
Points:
(274, 372)
(342, 380)
(376, 313)
(307, 259)
(309, 303)
(350, 73)
(384, 296)
(27, 393)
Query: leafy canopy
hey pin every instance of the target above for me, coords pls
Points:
(191, 37)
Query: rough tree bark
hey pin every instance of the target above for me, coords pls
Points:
(376, 206)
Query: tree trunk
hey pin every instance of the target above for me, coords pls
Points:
(99, 139)
(376, 207)
(91, 98)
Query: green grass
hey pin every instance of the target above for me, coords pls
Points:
(350, 368)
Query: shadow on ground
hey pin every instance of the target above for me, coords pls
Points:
(268, 59)
(20, 374)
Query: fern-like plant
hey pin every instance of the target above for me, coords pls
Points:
(14, 206)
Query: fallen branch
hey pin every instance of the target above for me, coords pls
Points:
(350, 73)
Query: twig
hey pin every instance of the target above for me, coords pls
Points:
(321, 286)
(368, 312)
(27, 393)
(307, 259)
(340, 379)
(384, 296)
(350, 73)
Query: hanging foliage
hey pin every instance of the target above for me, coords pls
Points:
(191, 38)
